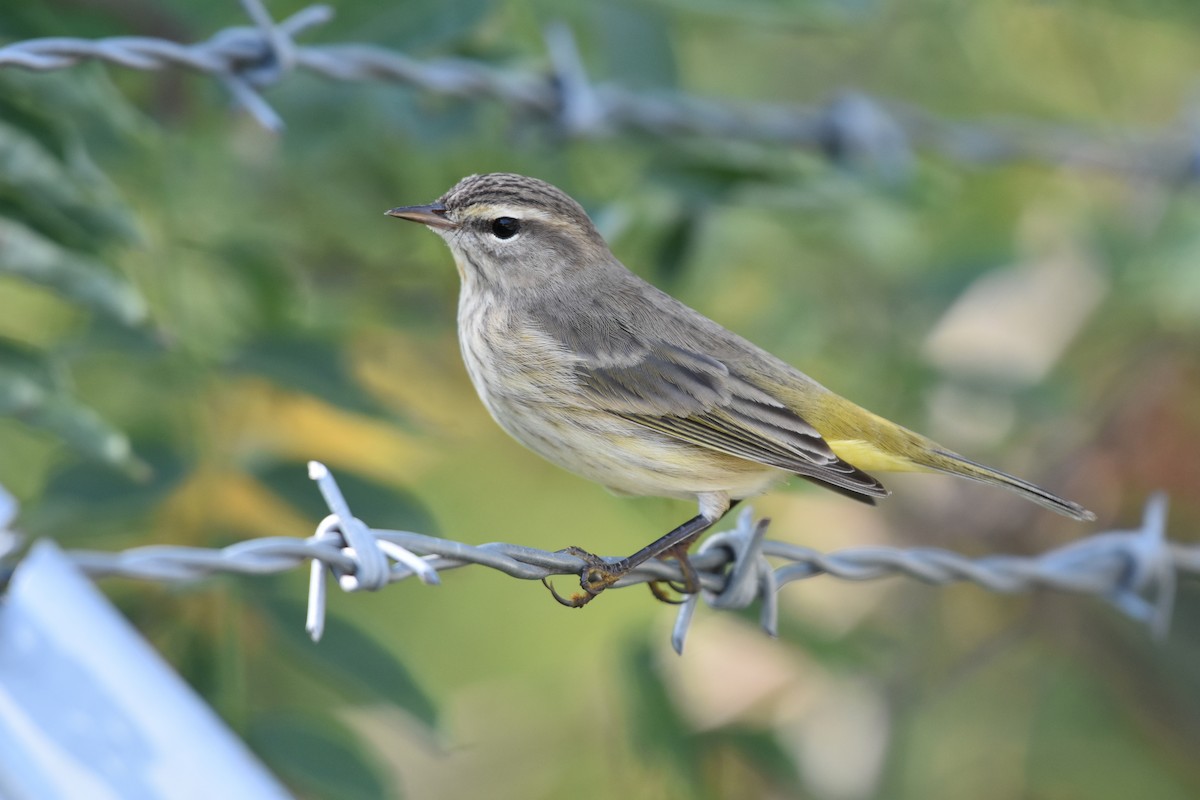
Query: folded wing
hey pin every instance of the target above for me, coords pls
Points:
(698, 399)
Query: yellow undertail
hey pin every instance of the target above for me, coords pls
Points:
(901, 450)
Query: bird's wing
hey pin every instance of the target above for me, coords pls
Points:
(699, 399)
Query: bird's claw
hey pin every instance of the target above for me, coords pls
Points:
(661, 595)
(577, 600)
(593, 579)
(598, 574)
(689, 585)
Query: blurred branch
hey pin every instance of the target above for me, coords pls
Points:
(1135, 570)
(852, 127)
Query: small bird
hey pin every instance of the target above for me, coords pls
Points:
(600, 372)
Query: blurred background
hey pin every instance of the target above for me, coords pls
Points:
(191, 307)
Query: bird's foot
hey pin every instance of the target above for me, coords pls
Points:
(596, 576)
(660, 591)
(690, 584)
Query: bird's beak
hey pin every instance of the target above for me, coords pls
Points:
(433, 215)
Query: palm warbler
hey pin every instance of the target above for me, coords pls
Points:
(596, 370)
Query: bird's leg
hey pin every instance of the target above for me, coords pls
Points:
(691, 579)
(598, 575)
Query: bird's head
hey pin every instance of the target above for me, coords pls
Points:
(510, 230)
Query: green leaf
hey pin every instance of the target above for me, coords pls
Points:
(27, 377)
(30, 255)
(56, 102)
(310, 365)
(33, 388)
(861, 648)
(762, 749)
(638, 46)
(18, 394)
(29, 167)
(66, 196)
(82, 497)
(676, 243)
(317, 755)
(350, 658)
(84, 431)
(1083, 742)
(657, 729)
(421, 27)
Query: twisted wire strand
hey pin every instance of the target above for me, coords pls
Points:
(1135, 570)
(852, 126)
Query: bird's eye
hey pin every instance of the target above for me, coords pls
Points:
(505, 227)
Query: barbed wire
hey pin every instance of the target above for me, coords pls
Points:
(1134, 570)
(852, 126)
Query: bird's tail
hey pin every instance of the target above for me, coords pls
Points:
(871, 443)
(954, 464)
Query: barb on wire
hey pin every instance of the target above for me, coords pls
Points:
(1135, 570)
(852, 126)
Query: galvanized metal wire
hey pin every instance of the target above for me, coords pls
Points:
(1134, 570)
(852, 126)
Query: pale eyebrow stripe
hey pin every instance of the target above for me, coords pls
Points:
(501, 210)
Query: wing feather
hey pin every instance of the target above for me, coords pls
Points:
(698, 399)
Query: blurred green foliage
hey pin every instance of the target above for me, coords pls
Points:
(191, 307)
